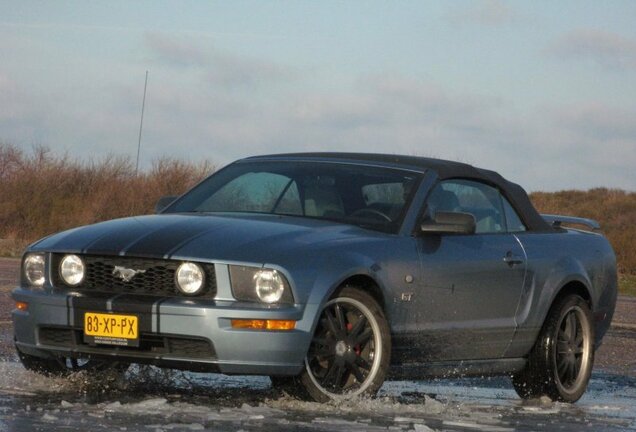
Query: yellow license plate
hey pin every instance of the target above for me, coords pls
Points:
(111, 326)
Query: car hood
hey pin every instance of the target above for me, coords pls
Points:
(242, 238)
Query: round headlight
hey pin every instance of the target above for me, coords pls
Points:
(269, 285)
(190, 278)
(34, 269)
(72, 270)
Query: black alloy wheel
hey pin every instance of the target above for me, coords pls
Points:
(350, 351)
(560, 364)
(570, 354)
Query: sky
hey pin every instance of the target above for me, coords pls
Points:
(543, 92)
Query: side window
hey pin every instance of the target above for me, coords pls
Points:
(482, 201)
(512, 218)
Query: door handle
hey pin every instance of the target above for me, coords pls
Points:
(512, 259)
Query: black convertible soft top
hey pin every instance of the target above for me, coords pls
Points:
(445, 170)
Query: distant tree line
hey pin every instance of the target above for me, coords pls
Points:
(42, 193)
(614, 209)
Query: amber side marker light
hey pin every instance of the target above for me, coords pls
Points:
(22, 306)
(257, 324)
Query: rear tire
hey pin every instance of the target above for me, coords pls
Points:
(560, 364)
(350, 352)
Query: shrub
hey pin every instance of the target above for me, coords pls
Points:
(614, 209)
(41, 193)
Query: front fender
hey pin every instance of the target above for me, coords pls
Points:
(342, 268)
(387, 261)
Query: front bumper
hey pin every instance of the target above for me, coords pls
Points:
(185, 333)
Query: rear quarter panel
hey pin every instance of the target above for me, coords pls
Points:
(555, 260)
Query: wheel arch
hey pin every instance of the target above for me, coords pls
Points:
(359, 278)
(574, 287)
(570, 286)
(367, 284)
(568, 276)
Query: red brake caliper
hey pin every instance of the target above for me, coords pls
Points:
(357, 347)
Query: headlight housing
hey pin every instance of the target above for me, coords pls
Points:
(72, 270)
(258, 284)
(190, 278)
(34, 269)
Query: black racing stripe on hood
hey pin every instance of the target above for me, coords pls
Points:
(150, 236)
(166, 240)
(91, 236)
(120, 237)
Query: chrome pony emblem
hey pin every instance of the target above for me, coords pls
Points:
(126, 274)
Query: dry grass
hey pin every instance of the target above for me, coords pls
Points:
(616, 212)
(627, 284)
(41, 193)
(614, 209)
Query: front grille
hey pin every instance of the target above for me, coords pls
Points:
(155, 344)
(158, 277)
(56, 336)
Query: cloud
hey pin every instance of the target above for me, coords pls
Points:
(177, 51)
(490, 13)
(606, 49)
(220, 68)
(598, 134)
(19, 117)
(600, 121)
(5, 83)
(399, 104)
(206, 102)
(579, 146)
(556, 147)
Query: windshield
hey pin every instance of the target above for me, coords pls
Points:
(370, 197)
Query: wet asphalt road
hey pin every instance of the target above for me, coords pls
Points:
(148, 399)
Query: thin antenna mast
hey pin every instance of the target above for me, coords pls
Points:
(141, 124)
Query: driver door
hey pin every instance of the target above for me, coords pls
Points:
(465, 303)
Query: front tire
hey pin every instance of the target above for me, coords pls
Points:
(560, 364)
(350, 352)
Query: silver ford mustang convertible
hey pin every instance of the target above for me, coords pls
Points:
(329, 272)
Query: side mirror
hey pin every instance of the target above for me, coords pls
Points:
(450, 223)
(164, 202)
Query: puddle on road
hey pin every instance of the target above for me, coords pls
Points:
(152, 399)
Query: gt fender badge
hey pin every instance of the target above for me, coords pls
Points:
(406, 296)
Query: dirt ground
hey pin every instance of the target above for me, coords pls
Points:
(616, 355)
